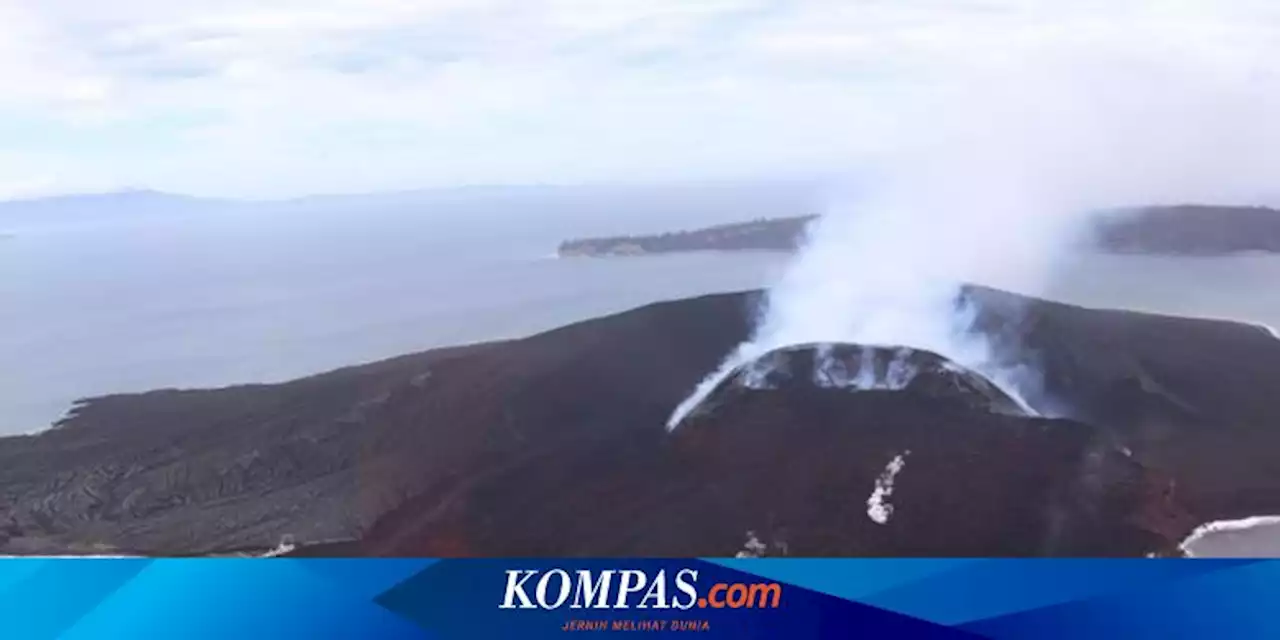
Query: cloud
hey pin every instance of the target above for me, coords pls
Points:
(365, 94)
(1015, 128)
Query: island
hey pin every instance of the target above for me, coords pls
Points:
(556, 445)
(772, 234)
(1160, 230)
(1190, 230)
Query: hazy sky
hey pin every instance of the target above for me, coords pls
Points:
(281, 97)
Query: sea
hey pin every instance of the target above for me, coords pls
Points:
(207, 297)
(223, 297)
(232, 295)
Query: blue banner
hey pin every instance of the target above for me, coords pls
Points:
(745, 598)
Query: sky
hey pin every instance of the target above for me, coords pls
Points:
(275, 98)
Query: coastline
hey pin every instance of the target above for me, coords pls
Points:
(1177, 230)
(335, 456)
(1212, 537)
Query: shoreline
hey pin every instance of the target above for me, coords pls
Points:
(73, 410)
(397, 457)
(1209, 533)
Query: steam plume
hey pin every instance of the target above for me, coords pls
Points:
(993, 173)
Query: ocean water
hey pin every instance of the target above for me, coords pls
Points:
(246, 295)
(1240, 287)
(253, 296)
(137, 303)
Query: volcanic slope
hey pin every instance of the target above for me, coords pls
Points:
(555, 445)
(785, 458)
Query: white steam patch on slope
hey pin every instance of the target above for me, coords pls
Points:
(831, 372)
(992, 167)
(878, 507)
(753, 548)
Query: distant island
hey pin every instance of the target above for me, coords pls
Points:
(1161, 230)
(773, 234)
(1191, 230)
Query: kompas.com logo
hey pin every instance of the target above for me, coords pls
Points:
(631, 588)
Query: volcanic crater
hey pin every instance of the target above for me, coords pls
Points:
(556, 445)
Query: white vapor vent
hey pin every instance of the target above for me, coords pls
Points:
(831, 372)
(753, 548)
(878, 507)
(991, 174)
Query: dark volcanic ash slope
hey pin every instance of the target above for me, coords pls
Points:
(320, 458)
(555, 444)
(952, 464)
(785, 458)
(1199, 398)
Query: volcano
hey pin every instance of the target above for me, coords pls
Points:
(840, 449)
(915, 372)
(556, 445)
(817, 450)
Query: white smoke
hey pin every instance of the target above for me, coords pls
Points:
(833, 372)
(994, 171)
(878, 507)
(753, 547)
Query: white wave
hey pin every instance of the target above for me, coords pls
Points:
(285, 546)
(1224, 526)
(1260, 326)
(67, 557)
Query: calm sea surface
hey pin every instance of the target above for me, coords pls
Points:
(217, 299)
(228, 298)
